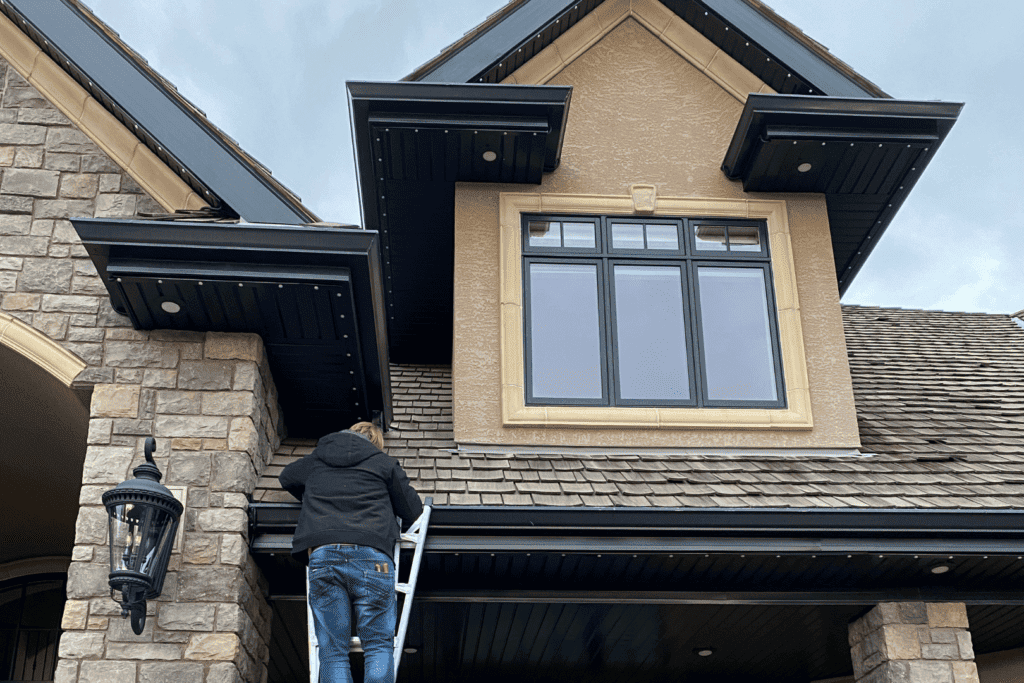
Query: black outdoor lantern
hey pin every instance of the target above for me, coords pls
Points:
(143, 519)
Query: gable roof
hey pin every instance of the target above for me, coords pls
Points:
(759, 51)
(766, 44)
(172, 129)
(940, 404)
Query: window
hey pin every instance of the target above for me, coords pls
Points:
(627, 311)
(30, 615)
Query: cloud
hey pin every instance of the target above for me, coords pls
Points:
(272, 75)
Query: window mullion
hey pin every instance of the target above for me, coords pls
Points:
(608, 337)
(695, 350)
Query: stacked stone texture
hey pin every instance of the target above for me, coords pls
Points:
(208, 398)
(50, 171)
(913, 642)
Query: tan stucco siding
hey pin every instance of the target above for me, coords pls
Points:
(642, 114)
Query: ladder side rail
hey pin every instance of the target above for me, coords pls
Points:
(314, 644)
(421, 525)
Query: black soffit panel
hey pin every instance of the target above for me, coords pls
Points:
(864, 155)
(312, 293)
(451, 133)
(413, 142)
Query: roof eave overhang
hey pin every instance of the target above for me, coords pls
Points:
(435, 132)
(864, 155)
(412, 143)
(560, 525)
(777, 556)
(313, 294)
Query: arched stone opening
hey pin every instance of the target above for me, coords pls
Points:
(43, 430)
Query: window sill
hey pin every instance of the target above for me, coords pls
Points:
(515, 413)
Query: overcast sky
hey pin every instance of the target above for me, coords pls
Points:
(271, 73)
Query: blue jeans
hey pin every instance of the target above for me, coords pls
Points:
(347, 580)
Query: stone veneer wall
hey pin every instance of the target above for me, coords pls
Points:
(913, 642)
(49, 172)
(210, 401)
(208, 398)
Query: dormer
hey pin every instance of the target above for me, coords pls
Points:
(674, 281)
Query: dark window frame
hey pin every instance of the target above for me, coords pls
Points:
(688, 259)
(14, 648)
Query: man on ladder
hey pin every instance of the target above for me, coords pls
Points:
(351, 492)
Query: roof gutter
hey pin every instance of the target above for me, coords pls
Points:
(731, 530)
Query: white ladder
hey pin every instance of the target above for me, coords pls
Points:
(414, 538)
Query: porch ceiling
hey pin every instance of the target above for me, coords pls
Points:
(628, 593)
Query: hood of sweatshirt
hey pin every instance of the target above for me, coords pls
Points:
(345, 449)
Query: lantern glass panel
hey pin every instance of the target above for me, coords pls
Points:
(137, 533)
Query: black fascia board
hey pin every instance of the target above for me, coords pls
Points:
(205, 242)
(454, 102)
(185, 136)
(501, 39)
(754, 521)
(852, 116)
(787, 50)
(525, 521)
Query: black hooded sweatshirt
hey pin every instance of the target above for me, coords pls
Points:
(351, 492)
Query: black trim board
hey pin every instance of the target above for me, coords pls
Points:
(779, 523)
(786, 49)
(848, 597)
(183, 139)
(491, 46)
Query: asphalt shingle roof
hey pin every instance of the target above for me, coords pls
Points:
(940, 402)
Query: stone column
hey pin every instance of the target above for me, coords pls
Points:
(913, 642)
(209, 400)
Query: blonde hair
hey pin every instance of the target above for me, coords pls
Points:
(370, 431)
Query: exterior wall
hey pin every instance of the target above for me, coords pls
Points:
(208, 398)
(641, 114)
(51, 171)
